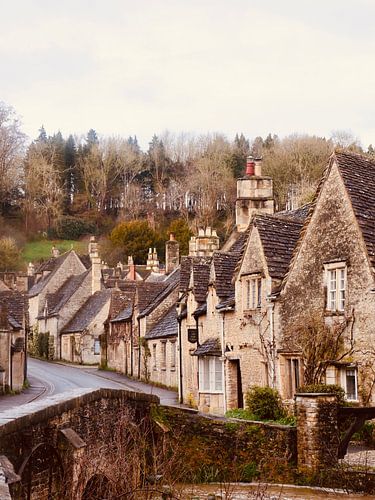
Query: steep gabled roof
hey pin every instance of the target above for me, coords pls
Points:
(279, 237)
(16, 305)
(147, 293)
(85, 315)
(167, 326)
(170, 285)
(50, 266)
(186, 267)
(358, 174)
(224, 264)
(201, 278)
(57, 300)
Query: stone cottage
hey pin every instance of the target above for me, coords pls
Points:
(13, 338)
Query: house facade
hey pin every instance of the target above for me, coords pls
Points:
(283, 286)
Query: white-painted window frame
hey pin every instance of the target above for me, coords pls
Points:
(336, 284)
(252, 297)
(210, 374)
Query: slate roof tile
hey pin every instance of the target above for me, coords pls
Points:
(358, 173)
(279, 237)
(82, 319)
(166, 327)
(210, 347)
(57, 300)
(16, 305)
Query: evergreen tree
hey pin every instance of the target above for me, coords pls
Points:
(42, 137)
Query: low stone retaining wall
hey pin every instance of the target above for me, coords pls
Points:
(214, 449)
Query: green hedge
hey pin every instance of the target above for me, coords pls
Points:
(325, 388)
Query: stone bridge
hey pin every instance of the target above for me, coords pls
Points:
(73, 444)
(94, 444)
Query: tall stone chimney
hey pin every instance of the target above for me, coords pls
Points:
(254, 194)
(55, 252)
(205, 244)
(96, 267)
(152, 260)
(172, 254)
(132, 273)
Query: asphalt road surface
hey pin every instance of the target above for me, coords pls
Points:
(47, 379)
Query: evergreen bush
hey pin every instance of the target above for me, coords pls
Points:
(72, 228)
(264, 403)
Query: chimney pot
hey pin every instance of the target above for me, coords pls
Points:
(250, 166)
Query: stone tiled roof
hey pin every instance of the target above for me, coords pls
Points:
(229, 302)
(185, 269)
(82, 319)
(210, 347)
(51, 265)
(125, 315)
(166, 327)
(147, 293)
(86, 261)
(224, 266)
(58, 299)
(239, 243)
(201, 277)
(358, 173)
(15, 304)
(279, 237)
(299, 214)
(120, 300)
(170, 285)
(200, 310)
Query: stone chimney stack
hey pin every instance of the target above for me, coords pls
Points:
(152, 260)
(254, 194)
(205, 244)
(131, 274)
(172, 254)
(30, 269)
(96, 267)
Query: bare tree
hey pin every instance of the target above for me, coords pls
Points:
(12, 144)
(44, 194)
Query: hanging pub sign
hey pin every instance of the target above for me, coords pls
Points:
(192, 335)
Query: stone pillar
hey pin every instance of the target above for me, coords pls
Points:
(317, 431)
(96, 267)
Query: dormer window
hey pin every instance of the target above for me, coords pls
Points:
(253, 292)
(336, 286)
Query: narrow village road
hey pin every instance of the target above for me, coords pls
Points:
(48, 378)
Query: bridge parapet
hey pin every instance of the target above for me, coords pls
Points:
(53, 443)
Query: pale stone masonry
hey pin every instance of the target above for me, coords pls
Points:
(317, 431)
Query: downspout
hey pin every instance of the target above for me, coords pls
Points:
(131, 349)
(180, 386)
(271, 300)
(139, 347)
(224, 363)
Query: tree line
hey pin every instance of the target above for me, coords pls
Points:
(64, 185)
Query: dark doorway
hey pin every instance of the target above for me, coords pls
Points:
(239, 384)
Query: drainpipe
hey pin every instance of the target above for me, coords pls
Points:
(139, 347)
(180, 386)
(224, 362)
(271, 304)
(131, 348)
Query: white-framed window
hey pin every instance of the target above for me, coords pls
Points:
(173, 353)
(154, 357)
(96, 346)
(336, 286)
(349, 377)
(253, 292)
(163, 354)
(210, 374)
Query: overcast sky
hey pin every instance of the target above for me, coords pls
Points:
(139, 67)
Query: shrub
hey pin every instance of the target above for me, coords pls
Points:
(72, 228)
(325, 388)
(264, 403)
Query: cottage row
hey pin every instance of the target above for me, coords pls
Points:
(287, 301)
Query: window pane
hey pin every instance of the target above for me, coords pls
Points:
(351, 386)
(218, 374)
(248, 294)
(253, 295)
(259, 293)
